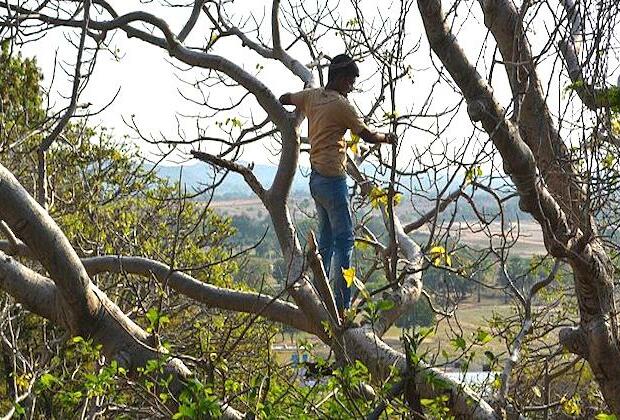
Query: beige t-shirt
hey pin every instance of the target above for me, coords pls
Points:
(330, 115)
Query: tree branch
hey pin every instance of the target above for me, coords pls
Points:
(191, 22)
(246, 172)
(320, 279)
(51, 248)
(534, 121)
(431, 214)
(248, 302)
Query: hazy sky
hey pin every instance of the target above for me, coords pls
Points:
(150, 85)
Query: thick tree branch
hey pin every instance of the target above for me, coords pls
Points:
(597, 337)
(519, 161)
(49, 246)
(362, 344)
(212, 296)
(37, 293)
(535, 124)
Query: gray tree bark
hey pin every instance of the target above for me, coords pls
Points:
(535, 158)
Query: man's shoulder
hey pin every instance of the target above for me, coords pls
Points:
(313, 90)
(343, 103)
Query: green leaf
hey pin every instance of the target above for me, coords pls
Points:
(605, 416)
(615, 126)
(458, 343)
(472, 173)
(153, 316)
(482, 336)
(385, 305)
(438, 255)
(47, 380)
(353, 144)
(572, 406)
(19, 410)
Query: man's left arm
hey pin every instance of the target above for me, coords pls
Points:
(355, 123)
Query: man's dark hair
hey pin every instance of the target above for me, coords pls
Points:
(342, 65)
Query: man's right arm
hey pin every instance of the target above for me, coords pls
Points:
(297, 98)
(286, 99)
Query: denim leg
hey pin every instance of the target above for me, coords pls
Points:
(342, 231)
(326, 240)
(330, 195)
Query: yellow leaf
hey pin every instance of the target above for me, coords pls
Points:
(437, 254)
(349, 275)
(438, 249)
(615, 126)
(378, 197)
(353, 144)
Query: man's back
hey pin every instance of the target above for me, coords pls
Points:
(330, 115)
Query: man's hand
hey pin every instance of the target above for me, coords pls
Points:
(286, 99)
(391, 138)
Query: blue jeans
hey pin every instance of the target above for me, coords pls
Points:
(335, 229)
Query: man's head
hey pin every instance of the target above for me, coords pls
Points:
(342, 73)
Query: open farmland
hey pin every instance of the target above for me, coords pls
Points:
(526, 235)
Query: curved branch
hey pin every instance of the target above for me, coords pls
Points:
(597, 337)
(176, 49)
(213, 296)
(535, 123)
(191, 22)
(51, 248)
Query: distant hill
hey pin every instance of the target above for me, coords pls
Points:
(197, 176)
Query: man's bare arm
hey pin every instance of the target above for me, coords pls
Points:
(376, 137)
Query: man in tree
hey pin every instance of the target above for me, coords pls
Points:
(330, 115)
